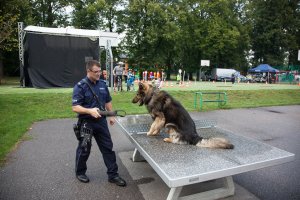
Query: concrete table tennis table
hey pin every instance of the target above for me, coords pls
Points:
(183, 165)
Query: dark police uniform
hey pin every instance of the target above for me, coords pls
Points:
(83, 96)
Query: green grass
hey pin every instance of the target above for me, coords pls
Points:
(20, 107)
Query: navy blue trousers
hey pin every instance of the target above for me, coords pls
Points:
(103, 139)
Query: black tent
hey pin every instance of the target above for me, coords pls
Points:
(54, 59)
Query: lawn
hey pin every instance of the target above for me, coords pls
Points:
(20, 107)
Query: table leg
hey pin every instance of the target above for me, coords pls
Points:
(137, 157)
(226, 190)
(174, 193)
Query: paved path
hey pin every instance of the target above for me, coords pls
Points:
(43, 166)
(277, 126)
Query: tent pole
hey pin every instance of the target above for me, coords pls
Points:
(111, 67)
(21, 53)
(109, 64)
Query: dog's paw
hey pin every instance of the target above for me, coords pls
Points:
(155, 133)
(167, 140)
(149, 133)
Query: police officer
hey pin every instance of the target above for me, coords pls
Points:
(87, 107)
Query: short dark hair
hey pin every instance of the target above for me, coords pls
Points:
(91, 63)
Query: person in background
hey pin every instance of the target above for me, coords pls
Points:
(178, 79)
(130, 81)
(103, 76)
(233, 78)
(118, 73)
(125, 74)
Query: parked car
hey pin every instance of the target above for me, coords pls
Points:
(243, 79)
(258, 78)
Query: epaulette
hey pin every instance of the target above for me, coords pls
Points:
(80, 82)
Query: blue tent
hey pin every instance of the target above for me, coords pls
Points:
(263, 68)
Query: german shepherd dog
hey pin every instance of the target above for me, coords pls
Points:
(169, 113)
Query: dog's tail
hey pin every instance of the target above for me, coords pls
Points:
(220, 143)
(214, 142)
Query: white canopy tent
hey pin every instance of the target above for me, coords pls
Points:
(103, 36)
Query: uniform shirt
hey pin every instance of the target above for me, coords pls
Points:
(83, 96)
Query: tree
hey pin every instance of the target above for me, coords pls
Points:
(275, 30)
(6, 43)
(85, 15)
(111, 14)
(98, 14)
(151, 33)
(49, 13)
(211, 30)
(291, 23)
(181, 33)
(8, 26)
(137, 21)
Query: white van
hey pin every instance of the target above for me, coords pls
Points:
(220, 74)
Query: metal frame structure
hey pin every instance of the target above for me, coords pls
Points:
(109, 64)
(21, 35)
(221, 101)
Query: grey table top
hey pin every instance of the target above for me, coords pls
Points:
(180, 165)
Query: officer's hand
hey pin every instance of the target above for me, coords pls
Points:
(112, 120)
(95, 112)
